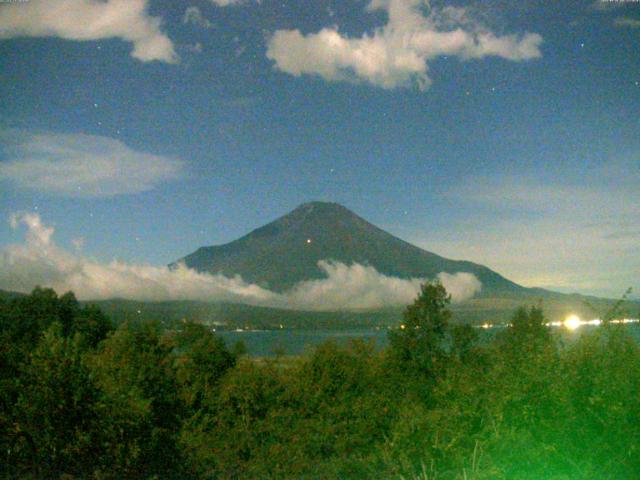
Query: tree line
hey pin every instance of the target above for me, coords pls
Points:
(80, 398)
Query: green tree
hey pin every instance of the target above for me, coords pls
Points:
(56, 423)
(463, 338)
(92, 324)
(421, 339)
(201, 358)
(528, 333)
(25, 324)
(134, 369)
(25, 319)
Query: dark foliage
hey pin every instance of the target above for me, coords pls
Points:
(81, 400)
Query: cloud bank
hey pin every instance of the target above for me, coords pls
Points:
(353, 287)
(397, 54)
(83, 20)
(39, 261)
(627, 22)
(358, 287)
(82, 165)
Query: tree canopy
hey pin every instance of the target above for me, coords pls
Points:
(81, 399)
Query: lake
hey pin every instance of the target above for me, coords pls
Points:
(263, 343)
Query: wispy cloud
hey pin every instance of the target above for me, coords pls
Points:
(83, 20)
(606, 5)
(227, 3)
(627, 22)
(397, 54)
(81, 165)
(579, 236)
(39, 261)
(193, 16)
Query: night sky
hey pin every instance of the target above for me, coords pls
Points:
(506, 133)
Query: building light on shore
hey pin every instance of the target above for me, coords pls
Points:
(572, 322)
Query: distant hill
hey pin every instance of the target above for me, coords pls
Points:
(229, 316)
(7, 295)
(287, 250)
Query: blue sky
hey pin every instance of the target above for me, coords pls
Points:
(507, 133)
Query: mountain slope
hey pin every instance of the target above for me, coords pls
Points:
(287, 251)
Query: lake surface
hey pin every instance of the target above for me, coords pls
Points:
(263, 343)
(295, 342)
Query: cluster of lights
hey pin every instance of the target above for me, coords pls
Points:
(572, 322)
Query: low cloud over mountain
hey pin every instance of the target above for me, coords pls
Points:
(40, 261)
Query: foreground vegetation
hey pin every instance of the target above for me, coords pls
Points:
(80, 399)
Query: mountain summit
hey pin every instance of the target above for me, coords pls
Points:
(287, 251)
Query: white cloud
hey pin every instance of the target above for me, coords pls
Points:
(352, 287)
(398, 53)
(83, 20)
(606, 5)
(358, 286)
(462, 286)
(39, 261)
(627, 22)
(193, 16)
(37, 233)
(82, 165)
